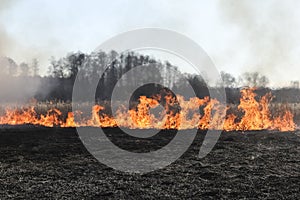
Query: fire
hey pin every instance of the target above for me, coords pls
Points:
(178, 113)
(257, 115)
(29, 116)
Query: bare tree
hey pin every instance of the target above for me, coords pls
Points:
(12, 67)
(24, 69)
(35, 67)
(229, 80)
(253, 79)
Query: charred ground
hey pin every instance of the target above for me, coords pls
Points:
(39, 162)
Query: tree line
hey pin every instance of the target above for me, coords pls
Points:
(109, 67)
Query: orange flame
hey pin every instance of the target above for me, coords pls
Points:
(178, 114)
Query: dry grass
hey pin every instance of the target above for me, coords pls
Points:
(65, 107)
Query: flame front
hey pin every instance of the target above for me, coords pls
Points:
(178, 113)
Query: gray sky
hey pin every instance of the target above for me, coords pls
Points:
(245, 35)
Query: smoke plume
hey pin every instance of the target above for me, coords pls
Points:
(12, 88)
(268, 30)
(6, 42)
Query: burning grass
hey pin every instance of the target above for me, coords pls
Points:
(252, 113)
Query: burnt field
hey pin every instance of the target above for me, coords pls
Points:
(38, 162)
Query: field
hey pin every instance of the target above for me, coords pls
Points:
(38, 162)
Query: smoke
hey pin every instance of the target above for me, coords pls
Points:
(268, 31)
(12, 89)
(6, 42)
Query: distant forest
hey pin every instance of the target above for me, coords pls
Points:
(21, 82)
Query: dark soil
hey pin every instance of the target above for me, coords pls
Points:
(52, 163)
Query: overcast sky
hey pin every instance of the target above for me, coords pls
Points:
(239, 36)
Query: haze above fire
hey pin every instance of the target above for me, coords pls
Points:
(238, 35)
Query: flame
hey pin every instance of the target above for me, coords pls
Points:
(178, 113)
